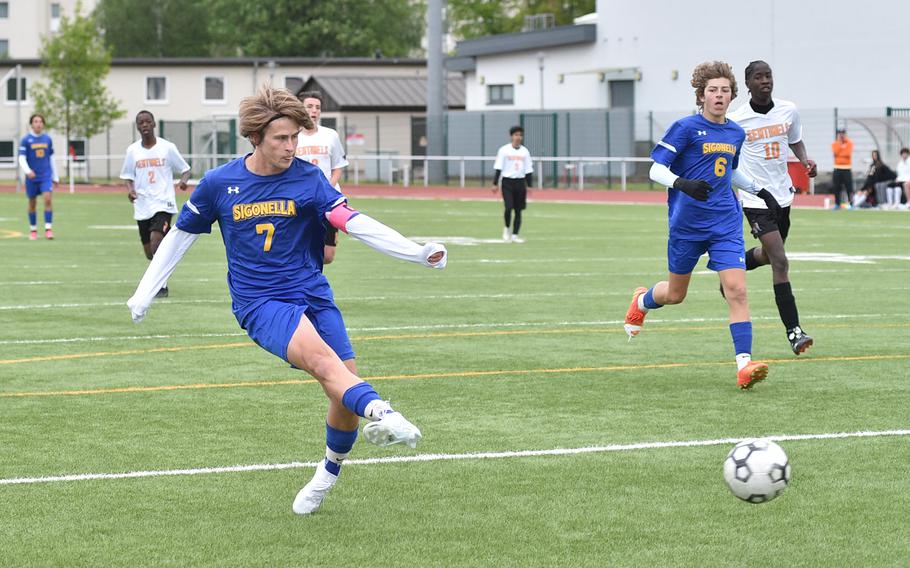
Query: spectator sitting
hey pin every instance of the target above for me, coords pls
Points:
(875, 188)
(903, 180)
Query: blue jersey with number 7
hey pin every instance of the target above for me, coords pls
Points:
(696, 148)
(273, 229)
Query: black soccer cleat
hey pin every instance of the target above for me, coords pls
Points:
(163, 293)
(799, 341)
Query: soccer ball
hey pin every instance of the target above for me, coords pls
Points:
(757, 470)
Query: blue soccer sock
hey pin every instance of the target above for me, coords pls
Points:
(742, 341)
(363, 401)
(338, 444)
(647, 300)
(48, 218)
(32, 220)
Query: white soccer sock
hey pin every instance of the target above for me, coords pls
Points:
(376, 409)
(743, 359)
(48, 226)
(641, 304)
(33, 227)
(335, 457)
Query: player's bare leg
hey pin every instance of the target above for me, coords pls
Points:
(155, 238)
(749, 372)
(772, 252)
(670, 291)
(346, 393)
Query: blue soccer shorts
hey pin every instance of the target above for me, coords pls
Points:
(723, 253)
(34, 188)
(272, 323)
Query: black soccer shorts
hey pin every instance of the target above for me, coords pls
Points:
(160, 222)
(762, 221)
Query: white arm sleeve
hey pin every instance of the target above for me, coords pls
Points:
(745, 183)
(389, 241)
(23, 163)
(662, 175)
(172, 248)
(54, 176)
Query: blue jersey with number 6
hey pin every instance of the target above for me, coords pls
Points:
(273, 229)
(696, 148)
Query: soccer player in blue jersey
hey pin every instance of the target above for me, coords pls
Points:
(36, 158)
(273, 210)
(697, 160)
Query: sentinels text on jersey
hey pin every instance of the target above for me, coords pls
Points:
(767, 149)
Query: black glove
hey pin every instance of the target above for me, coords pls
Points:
(694, 188)
(773, 206)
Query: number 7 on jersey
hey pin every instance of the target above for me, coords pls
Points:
(269, 230)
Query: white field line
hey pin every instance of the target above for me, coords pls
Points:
(444, 457)
(439, 326)
(431, 327)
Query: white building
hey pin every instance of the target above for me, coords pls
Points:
(841, 61)
(24, 22)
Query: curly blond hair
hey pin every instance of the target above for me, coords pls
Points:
(711, 70)
(269, 104)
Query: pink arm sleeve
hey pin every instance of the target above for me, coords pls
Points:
(340, 215)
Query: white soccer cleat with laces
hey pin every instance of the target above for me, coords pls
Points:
(310, 497)
(392, 428)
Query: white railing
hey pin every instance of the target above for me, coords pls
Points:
(571, 164)
(386, 167)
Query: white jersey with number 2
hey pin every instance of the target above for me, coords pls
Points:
(151, 170)
(514, 162)
(766, 149)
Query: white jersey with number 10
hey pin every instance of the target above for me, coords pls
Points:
(766, 149)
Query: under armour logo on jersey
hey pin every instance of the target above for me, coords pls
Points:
(233, 189)
(702, 133)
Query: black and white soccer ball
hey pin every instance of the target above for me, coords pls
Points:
(757, 470)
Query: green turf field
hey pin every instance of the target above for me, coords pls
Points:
(511, 348)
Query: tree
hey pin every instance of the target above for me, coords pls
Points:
(327, 28)
(74, 63)
(166, 28)
(476, 18)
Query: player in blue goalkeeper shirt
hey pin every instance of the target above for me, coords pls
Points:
(36, 159)
(696, 160)
(273, 210)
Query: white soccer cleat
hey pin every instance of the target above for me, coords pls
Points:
(517, 239)
(392, 428)
(310, 497)
(506, 234)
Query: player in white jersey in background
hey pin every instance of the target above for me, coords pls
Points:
(513, 163)
(322, 147)
(148, 172)
(773, 128)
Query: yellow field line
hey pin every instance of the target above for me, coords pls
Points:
(438, 335)
(8, 234)
(448, 375)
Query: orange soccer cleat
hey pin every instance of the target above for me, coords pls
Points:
(635, 318)
(750, 374)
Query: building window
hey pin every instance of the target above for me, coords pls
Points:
(7, 152)
(293, 84)
(4, 48)
(11, 94)
(4, 10)
(214, 89)
(55, 17)
(156, 89)
(500, 94)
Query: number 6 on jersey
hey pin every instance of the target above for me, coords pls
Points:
(269, 230)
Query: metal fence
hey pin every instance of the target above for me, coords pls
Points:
(380, 146)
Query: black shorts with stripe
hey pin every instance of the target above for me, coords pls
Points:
(762, 221)
(160, 222)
